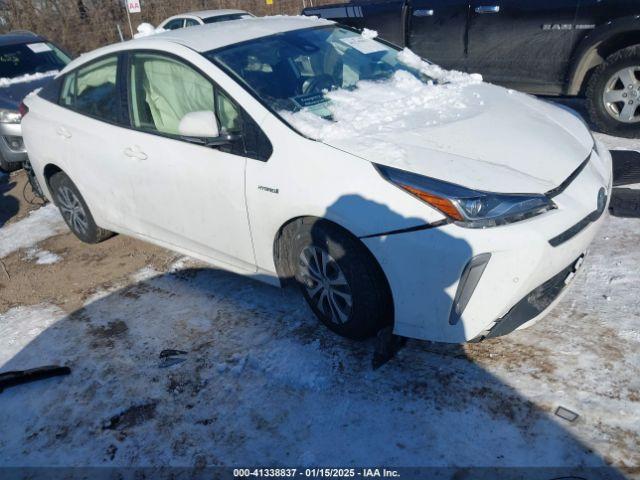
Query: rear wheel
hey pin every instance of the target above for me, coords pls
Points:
(75, 211)
(613, 94)
(340, 279)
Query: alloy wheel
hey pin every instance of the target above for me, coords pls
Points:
(621, 95)
(326, 284)
(72, 210)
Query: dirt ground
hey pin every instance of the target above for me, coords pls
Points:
(86, 269)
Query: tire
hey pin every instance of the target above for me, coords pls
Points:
(356, 302)
(606, 79)
(75, 211)
(9, 167)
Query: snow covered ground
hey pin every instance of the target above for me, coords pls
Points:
(262, 383)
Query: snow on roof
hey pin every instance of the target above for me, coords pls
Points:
(204, 38)
(209, 37)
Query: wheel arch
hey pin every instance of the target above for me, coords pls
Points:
(597, 46)
(49, 171)
(287, 230)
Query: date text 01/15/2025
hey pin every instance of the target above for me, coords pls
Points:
(315, 473)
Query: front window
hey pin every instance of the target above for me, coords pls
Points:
(164, 90)
(294, 70)
(31, 58)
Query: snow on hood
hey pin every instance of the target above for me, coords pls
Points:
(31, 77)
(456, 129)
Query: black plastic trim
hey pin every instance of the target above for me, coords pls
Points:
(469, 280)
(417, 228)
(576, 229)
(564, 185)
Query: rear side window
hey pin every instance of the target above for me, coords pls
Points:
(190, 22)
(174, 24)
(93, 91)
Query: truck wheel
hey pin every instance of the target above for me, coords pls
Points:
(613, 94)
(340, 279)
(75, 211)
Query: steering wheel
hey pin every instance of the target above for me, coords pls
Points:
(317, 84)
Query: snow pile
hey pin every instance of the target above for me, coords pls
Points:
(369, 34)
(31, 77)
(42, 257)
(439, 74)
(392, 105)
(146, 30)
(40, 224)
(21, 325)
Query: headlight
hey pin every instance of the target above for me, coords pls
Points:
(9, 116)
(469, 208)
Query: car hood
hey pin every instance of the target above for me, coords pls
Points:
(12, 95)
(501, 141)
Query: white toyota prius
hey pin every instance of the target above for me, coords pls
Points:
(292, 149)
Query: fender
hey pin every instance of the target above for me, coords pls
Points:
(587, 54)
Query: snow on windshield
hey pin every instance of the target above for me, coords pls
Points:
(31, 77)
(382, 107)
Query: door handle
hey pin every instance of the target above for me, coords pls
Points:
(488, 9)
(423, 13)
(135, 152)
(63, 132)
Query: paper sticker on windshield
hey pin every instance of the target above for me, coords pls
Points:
(364, 45)
(309, 100)
(39, 47)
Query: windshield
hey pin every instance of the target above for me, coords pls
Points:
(30, 58)
(226, 18)
(295, 70)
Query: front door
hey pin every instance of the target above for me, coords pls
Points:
(187, 195)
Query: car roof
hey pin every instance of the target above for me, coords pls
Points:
(210, 37)
(215, 13)
(19, 36)
(204, 38)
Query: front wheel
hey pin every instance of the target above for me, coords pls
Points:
(613, 94)
(340, 279)
(75, 211)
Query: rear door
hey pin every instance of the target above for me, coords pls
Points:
(437, 31)
(522, 43)
(87, 129)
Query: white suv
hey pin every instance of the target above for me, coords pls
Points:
(391, 191)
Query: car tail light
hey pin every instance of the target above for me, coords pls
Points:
(23, 109)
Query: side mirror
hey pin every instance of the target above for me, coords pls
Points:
(199, 125)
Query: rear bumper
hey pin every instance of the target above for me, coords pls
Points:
(12, 147)
(425, 268)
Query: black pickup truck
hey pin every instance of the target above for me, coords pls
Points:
(549, 47)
